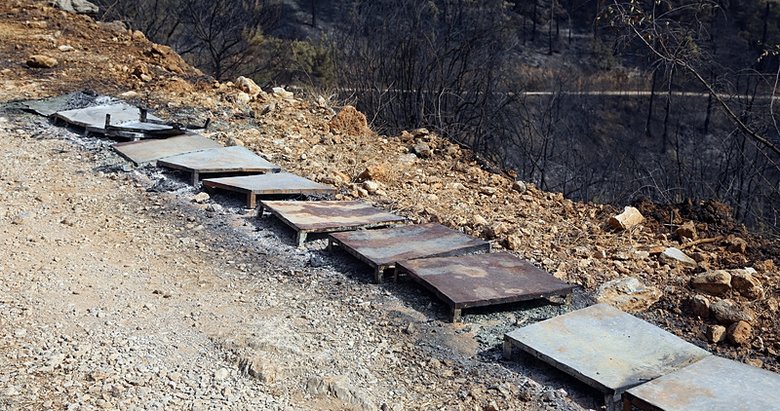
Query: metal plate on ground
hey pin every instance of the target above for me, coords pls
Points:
(269, 184)
(48, 106)
(383, 248)
(330, 216)
(605, 347)
(713, 383)
(94, 118)
(147, 151)
(233, 159)
(483, 279)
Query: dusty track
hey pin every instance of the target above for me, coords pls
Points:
(114, 296)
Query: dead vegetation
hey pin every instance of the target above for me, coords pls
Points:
(427, 178)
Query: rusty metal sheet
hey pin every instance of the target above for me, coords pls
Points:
(330, 216)
(233, 159)
(605, 348)
(94, 118)
(269, 184)
(147, 151)
(384, 247)
(713, 383)
(143, 129)
(483, 279)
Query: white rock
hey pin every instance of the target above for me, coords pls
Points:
(675, 255)
(221, 374)
(281, 92)
(201, 197)
(371, 186)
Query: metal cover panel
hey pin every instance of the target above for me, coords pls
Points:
(483, 279)
(329, 216)
(147, 151)
(387, 246)
(48, 106)
(269, 184)
(713, 383)
(233, 159)
(606, 348)
(94, 118)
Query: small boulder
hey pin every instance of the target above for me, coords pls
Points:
(241, 98)
(371, 186)
(75, 6)
(700, 306)
(142, 72)
(235, 141)
(629, 218)
(487, 190)
(258, 368)
(248, 86)
(514, 242)
(687, 231)
(747, 285)
(420, 132)
(739, 333)
(423, 150)
(728, 312)
(716, 282)
(628, 294)
(715, 333)
(519, 186)
(377, 172)
(41, 61)
(201, 197)
(281, 92)
(736, 244)
(674, 256)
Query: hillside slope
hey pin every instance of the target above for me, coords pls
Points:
(240, 293)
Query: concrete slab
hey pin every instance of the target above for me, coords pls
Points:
(713, 383)
(225, 160)
(329, 216)
(151, 150)
(482, 280)
(605, 348)
(93, 119)
(268, 184)
(383, 248)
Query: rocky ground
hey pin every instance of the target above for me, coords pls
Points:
(119, 291)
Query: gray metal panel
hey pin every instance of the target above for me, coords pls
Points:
(94, 118)
(330, 216)
(233, 159)
(147, 151)
(483, 279)
(387, 246)
(269, 184)
(712, 384)
(606, 348)
(48, 106)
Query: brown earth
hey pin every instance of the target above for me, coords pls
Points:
(449, 185)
